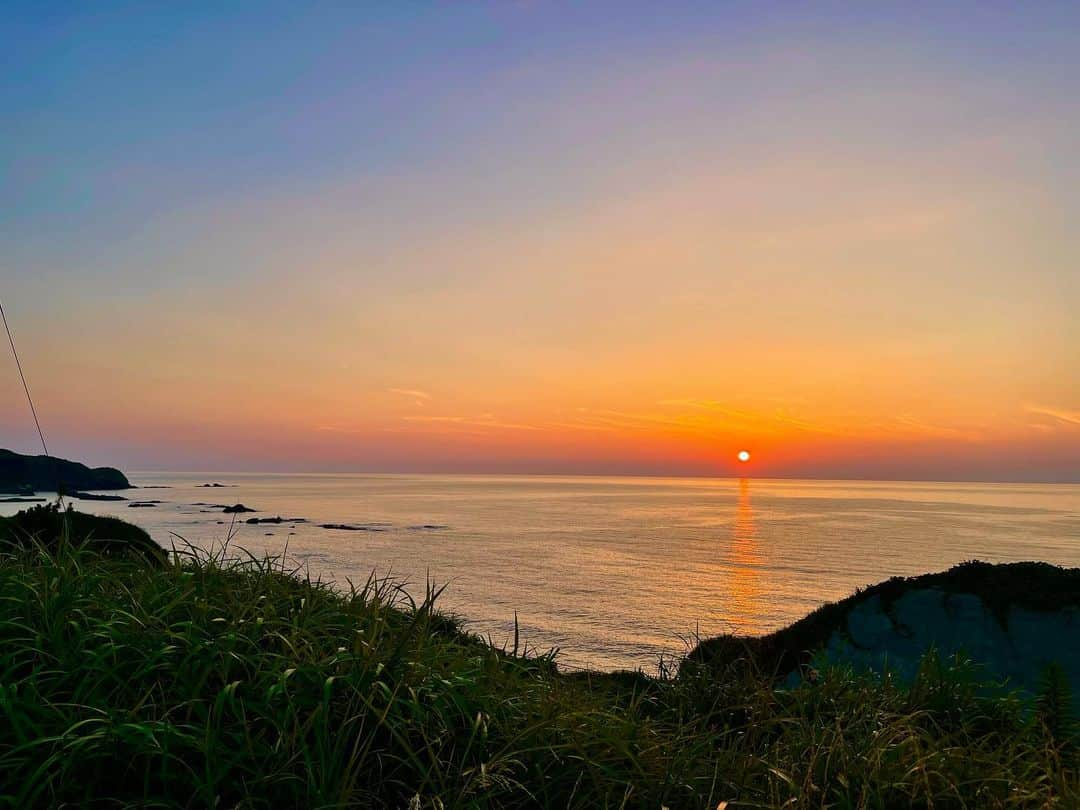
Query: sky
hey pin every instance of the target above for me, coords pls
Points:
(545, 237)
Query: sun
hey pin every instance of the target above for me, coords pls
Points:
(744, 456)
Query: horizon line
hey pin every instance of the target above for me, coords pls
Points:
(463, 473)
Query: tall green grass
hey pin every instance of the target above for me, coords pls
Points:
(223, 682)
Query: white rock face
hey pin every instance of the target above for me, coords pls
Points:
(1018, 649)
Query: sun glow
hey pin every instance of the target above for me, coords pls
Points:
(744, 456)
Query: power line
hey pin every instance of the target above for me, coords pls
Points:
(26, 388)
(22, 376)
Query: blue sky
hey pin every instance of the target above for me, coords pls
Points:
(424, 196)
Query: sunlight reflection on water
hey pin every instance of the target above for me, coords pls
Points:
(614, 571)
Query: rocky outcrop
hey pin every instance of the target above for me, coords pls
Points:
(1012, 620)
(348, 527)
(27, 474)
(1017, 645)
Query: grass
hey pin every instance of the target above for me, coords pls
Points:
(215, 681)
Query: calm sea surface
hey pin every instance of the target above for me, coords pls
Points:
(616, 571)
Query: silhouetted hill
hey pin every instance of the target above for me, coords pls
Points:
(19, 473)
(1013, 619)
(48, 526)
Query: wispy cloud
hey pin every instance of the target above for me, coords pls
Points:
(585, 426)
(1065, 415)
(420, 398)
(760, 421)
(485, 420)
(907, 423)
(602, 419)
(691, 420)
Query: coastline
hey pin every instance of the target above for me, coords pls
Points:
(210, 680)
(530, 546)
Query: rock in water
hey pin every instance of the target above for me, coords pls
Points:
(347, 527)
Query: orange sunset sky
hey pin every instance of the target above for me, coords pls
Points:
(518, 239)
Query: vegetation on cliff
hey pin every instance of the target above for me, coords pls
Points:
(48, 528)
(1000, 590)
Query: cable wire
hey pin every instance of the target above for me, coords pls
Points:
(26, 388)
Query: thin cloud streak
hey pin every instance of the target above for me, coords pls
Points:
(420, 398)
(749, 419)
(922, 428)
(1069, 417)
(484, 420)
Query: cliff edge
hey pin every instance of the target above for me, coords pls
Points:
(1014, 620)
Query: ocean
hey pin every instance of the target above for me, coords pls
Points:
(615, 572)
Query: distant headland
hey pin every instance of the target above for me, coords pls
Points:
(24, 475)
